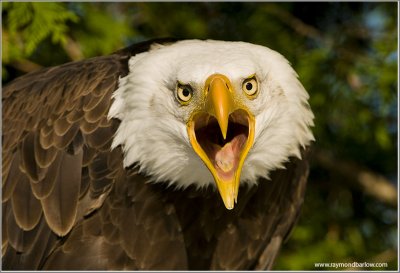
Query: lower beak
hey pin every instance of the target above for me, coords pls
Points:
(222, 134)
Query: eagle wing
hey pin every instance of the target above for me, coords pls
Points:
(254, 238)
(250, 236)
(58, 170)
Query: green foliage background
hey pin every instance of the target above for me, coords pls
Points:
(346, 56)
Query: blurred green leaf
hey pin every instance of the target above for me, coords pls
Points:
(28, 24)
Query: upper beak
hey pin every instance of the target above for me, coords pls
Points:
(219, 101)
(222, 133)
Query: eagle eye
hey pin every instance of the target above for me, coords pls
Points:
(184, 93)
(250, 87)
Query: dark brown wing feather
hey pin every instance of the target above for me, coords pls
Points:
(68, 203)
(248, 237)
(257, 235)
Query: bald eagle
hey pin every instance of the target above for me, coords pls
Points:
(164, 155)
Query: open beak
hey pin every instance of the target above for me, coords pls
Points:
(222, 133)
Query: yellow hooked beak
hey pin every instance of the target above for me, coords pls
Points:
(221, 133)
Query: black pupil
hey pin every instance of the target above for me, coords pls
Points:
(249, 86)
(185, 92)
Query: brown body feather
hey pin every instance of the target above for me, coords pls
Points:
(68, 203)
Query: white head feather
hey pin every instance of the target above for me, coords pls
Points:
(153, 130)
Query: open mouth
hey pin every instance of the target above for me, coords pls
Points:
(223, 154)
(221, 132)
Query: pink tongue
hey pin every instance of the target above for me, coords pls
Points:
(225, 158)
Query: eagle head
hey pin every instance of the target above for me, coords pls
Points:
(210, 113)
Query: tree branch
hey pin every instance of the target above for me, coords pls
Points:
(386, 256)
(371, 183)
(296, 24)
(73, 50)
(313, 33)
(25, 65)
